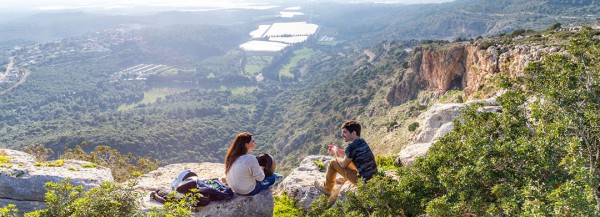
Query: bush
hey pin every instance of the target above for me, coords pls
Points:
(554, 26)
(181, 207)
(122, 166)
(65, 199)
(284, 206)
(8, 211)
(412, 127)
(320, 165)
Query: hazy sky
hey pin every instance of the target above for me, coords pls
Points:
(120, 4)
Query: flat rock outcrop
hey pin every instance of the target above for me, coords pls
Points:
(161, 178)
(23, 183)
(299, 184)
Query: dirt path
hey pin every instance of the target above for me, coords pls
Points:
(370, 54)
(23, 79)
(11, 61)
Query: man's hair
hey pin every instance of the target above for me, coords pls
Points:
(352, 126)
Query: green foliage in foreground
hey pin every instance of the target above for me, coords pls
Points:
(65, 199)
(8, 211)
(123, 167)
(536, 158)
(284, 207)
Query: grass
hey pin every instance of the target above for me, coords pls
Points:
(153, 95)
(301, 54)
(89, 165)
(329, 43)
(241, 90)
(56, 163)
(255, 64)
(452, 96)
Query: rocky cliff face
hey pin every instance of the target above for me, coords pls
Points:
(23, 183)
(461, 66)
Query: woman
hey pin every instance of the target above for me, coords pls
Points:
(244, 175)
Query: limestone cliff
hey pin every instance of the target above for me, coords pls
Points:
(462, 66)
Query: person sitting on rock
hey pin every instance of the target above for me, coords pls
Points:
(357, 161)
(243, 173)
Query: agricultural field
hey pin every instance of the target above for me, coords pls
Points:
(152, 95)
(255, 64)
(285, 73)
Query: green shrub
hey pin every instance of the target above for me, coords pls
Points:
(40, 153)
(379, 197)
(284, 207)
(321, 166)
(89, 165)
(4, 160)
(65, 199)
(553, 27)
(412, 127)
(56, 163)
(9, 210)
(483, 45)
(122, 166)
(177, 208)
(385, 163)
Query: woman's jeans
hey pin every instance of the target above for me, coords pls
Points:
(264, 184)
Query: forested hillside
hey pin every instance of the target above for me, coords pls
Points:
(199, 95)
(451, 20)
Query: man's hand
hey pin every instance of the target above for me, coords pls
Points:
(332, 149)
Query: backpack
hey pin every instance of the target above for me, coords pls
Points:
(267, 162)
(210, 189)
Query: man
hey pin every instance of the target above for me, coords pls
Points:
(357, 161)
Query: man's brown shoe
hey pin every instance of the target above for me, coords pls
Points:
(321, 187)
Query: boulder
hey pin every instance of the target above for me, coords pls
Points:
(299, 184)
(434, 118)
(437, 122)
(161, 178)
(23, 183)
(409, 154)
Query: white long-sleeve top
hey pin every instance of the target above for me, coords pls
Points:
(244, 173)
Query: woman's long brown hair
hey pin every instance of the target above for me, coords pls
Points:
(237, 149)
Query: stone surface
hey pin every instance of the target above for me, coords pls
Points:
(23, 183)
(434, 118)
(161, 178)
(299, 184)
(23, 206)
(462, 66)
(408, 155)
(436, 123)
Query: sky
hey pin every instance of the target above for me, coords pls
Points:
(123, 4)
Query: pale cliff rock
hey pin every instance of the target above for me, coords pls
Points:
(436, 123)
(23, 184)
(299, 184)
(462, 66)
(161, 178)
(434, 118)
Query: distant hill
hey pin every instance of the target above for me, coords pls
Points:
(371, 23)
